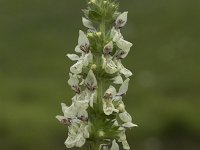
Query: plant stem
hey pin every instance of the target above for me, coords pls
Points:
(102, 28)
(94, 146)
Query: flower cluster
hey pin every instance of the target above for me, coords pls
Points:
(97, 114)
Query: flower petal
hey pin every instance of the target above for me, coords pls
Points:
(110, 92)
(117, 80)
(123, 44)
(127, 73)
(124, 87)
(125, 117)
(117, 36)
(70, 142)
(87, 23)
(125, 145)
(129, 125)
(108, 48)
(74, 83)
(115, 146)
(91, 81)
(88, 58)
(82, 40)
(80, 140)
(73, 57)
(77, 67)
(108, 106)
(109, 66)
(64, 107)
(121, 20)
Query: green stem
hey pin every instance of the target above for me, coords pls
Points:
(99, 94)
(94, 146)
(102, 28)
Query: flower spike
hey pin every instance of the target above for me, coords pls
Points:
(97, 114)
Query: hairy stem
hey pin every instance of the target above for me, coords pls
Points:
(94, 145)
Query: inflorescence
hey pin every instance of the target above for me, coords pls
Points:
(97, 114)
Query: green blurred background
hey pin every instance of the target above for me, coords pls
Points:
(164, 95)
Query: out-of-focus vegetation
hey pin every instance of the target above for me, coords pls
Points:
(164, 95)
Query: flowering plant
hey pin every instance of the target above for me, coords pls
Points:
(97, 114)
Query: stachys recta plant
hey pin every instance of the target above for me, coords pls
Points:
(97, 117)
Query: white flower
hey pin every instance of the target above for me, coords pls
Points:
(69, 112)
(126, 145)
(87, 58)
(108, 106)
(75, 136)
(84, 60)
(124, 87)
(92, 98)
(85, 130)
(122, 138)
(125, 117)
(124, 47)
(115, 146)
(70, 142)
(129, 125)
(80, 140)
(122, 134)
(116, 35)
(113, 32)
(110, 92)
(63, 120)
(87, 23)
(123, 44)
(127, 73)
(117, 80)
(109, 65)
(81, 106)
(77, 67)
(91, 81)
(77, 111)
(108, 48)
(120, 105)
(73, 57)
(74, 83)
(81, 103)
(83, 43)
(121, 20)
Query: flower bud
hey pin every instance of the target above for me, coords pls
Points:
(99, 34)
(105, 2)
(101, 133)
(92, 1)
(93, 66)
